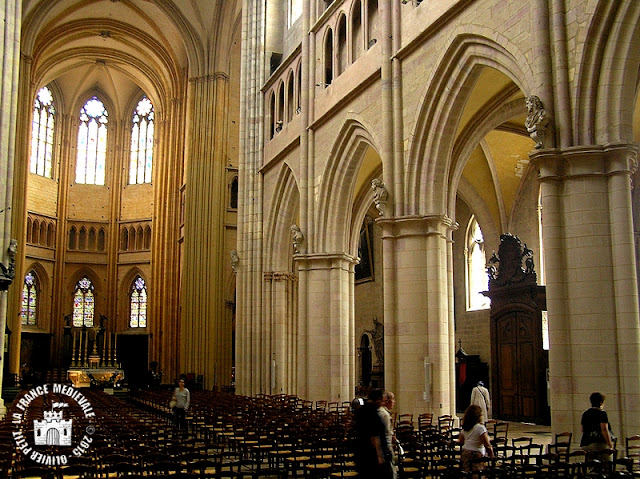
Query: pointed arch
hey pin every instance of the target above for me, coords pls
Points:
(609, 68)
(51, 234)
(338, 184)
(450, 85)
(362, 203)
(282, 214)
(470, 138)
(124, 239)
(35, 232)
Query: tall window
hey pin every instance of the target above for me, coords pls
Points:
(295, 10)
(92, 143)
(138, 302)
(42, 133)
(29, 296)
(141, 143)
(83, 304)
(477, 279)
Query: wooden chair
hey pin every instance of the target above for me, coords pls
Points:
(561, 444)
(33, 472)
(405, 420)
(425, 421)
(77, 471)
(632, 451)
(500, 434)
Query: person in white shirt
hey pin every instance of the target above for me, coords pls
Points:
(480, 397)
(384, 411)
(474, 438)
(182, 399)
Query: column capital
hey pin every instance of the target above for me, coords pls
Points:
(588, 160)
(210, 77)
(405, 226)
(319, 261)
(279, 276)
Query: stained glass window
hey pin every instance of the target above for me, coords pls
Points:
(92, 143)
(138, 302)
(42, 129)
(83, 304)
(477, 279)
(29, 296)
(142, 143)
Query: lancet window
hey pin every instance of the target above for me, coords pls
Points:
(42, 132)
(138, 304)
(83, 303)
(92, 143)
(142, 132)
(29, 300)
(476, 276)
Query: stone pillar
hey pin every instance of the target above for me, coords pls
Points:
(165, 260)
(592, 298)
(326, 369)
(10, 44)
(205, 338)
(419, 347)
(280, 311)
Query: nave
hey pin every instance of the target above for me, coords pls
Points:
(232, 436)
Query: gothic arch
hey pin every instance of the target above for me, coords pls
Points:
(470, 138)
(79, 274)
(124, 291)
(42, 17)
(609, 66)
(450, 85)
(42, 277)
(332, 228)
(282, 214)
(362, 203)
(43, 291)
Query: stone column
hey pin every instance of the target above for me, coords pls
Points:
(591, 273)
(205, 338)
(419, 349)
(326, 369)
(165, 260)
(280, 311)
(10, 44)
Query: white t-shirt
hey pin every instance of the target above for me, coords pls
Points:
(472, 441)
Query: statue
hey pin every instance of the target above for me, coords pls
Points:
(9, 272)
(537, 120)
(528, 260)
(377, 334)
(298, 238)
(235, 260)
(380, 195)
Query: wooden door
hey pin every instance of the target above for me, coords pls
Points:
(133, 355)
(517, 366)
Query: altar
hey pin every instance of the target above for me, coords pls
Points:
(94, 358)
(86, 377)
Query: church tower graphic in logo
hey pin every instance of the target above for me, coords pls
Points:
(53, 430)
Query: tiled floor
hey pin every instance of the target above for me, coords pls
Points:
(541, 434)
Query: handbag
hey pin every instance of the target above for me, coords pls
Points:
(173, 403)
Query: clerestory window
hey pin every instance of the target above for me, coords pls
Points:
(142, 131)
(42, 133)
(92, 143)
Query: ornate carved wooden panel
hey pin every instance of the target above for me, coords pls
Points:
(519, 361)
